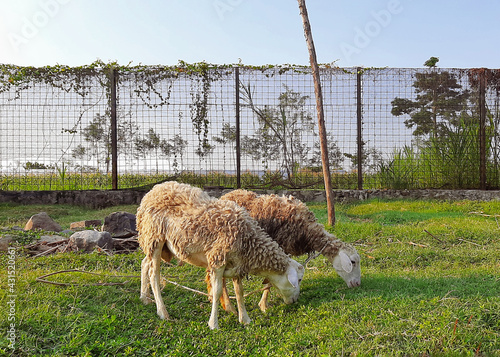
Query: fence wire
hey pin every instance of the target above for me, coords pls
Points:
(249, 127)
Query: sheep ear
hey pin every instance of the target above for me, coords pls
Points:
(293, 278)
(345, 261)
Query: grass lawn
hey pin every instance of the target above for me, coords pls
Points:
(430, 286)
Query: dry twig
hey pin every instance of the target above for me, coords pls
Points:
(433, 236)
(42, 280)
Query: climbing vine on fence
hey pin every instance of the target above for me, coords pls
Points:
(190, 91)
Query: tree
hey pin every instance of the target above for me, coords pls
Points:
(98, 134)
(227, 136)
(161, 147)
(440, 101)
(280, 129)
(151, 142)
(370, 158)
(175, 147)
(335, 156)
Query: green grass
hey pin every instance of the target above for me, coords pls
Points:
(430, 286)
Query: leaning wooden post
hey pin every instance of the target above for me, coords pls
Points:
(319, 108)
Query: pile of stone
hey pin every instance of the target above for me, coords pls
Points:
(117, 235)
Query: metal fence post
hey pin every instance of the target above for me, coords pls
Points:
(482, 129)
(237, 118)
(359, 116)
(114, 133)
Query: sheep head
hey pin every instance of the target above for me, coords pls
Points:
(288, 283)
(347, 265)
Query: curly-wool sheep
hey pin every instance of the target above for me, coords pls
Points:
(178, 220)
(290, 223)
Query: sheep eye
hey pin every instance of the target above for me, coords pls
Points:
(353, 262)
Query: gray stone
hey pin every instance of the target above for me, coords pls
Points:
(88, 240)
(42, 221)
(120, 224)
(85, 224)
(51, 238)
(4, 242)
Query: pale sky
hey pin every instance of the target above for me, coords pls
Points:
(369, 33)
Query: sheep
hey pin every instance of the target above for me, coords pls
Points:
(179, 220)
(290, 223)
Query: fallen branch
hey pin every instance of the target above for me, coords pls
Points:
(467, 241)
(433, 236)
(418, 245)
(485, 215)
(46, 252)
(42, 280)
(255, 291)
(185, 287)
(58, 242)
(104, 251)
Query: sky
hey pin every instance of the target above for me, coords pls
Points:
(368, 33)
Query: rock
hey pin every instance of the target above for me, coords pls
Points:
(85, 224)
(87, 240)
(4, 242)
(42, 221)
(120, 224)
(51, 239)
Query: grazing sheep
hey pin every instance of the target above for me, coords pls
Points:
(178, 220)
(290, 223)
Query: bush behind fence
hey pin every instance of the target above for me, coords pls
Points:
(107, 126)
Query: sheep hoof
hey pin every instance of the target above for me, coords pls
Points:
(163, 314)
(263, 306)
(229, 308)
(246, 321)
(146, 300)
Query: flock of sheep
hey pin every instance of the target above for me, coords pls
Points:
(239, 234)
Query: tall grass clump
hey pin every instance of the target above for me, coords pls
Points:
(451, 161)
(402, 171)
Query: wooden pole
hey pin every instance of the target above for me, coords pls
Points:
(238, 148)
(114, 132)
(319, 108)
(482, 129)
(359, 117)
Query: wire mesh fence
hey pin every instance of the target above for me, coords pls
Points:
(103, 127)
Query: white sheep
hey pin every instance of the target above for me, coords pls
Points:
(290, 223)
(178, 220)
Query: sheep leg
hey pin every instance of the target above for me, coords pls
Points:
(242, 311)
(145, 292)
(263, 300)
(225, 301)
(154, 278)
(216, 276)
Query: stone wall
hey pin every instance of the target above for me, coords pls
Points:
(101, 199)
